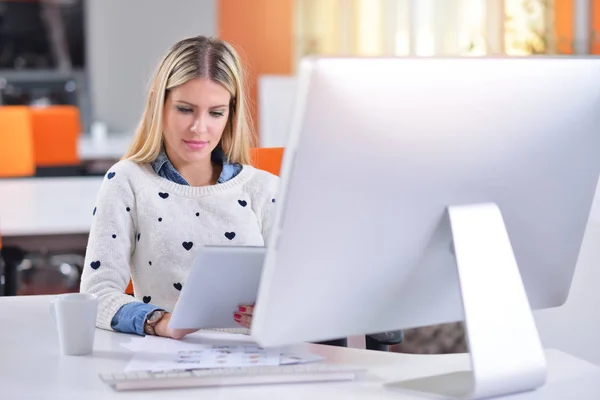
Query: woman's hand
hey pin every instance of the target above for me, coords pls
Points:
(243, 315)
(162, 329)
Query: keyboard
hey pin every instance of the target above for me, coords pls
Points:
(231, 376)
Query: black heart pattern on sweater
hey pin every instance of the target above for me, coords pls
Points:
(139, 234)
(177, 286)
(111, 175)
(147, 299)
(230, 235)
(163, 195)
(187, 245)
(95, 264)
(243, 203)
(94, 212)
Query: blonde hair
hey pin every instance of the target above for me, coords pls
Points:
(191, 58)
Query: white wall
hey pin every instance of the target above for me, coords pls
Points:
(575, 327)
(276, 96)
(125, 40)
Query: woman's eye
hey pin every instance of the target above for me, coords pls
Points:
(184, 110)
(217, 113)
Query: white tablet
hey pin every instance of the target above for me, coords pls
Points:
(222, 278)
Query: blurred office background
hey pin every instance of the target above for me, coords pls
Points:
(77, 72)
(98, 54)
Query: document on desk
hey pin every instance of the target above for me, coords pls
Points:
(154, 353)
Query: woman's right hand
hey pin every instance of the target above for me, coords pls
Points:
(162, 329)
(243, 315)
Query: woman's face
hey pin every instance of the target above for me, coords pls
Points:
(194, 117)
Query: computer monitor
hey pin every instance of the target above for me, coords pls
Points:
(421, 191)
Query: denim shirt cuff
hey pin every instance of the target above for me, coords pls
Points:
(131, 317)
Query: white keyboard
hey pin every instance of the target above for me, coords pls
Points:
(231, 376)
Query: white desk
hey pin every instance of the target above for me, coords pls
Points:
(31, 367)
(47, 206)
(57, 206)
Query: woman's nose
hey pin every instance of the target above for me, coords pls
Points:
(199, 125)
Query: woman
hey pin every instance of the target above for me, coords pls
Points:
(184, 182)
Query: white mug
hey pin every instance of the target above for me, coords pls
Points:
(74, 315)
(99, 133)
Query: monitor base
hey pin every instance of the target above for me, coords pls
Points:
(505, 349)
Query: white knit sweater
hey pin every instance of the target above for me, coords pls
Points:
(148, 228)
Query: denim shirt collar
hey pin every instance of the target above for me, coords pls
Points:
(164, 168)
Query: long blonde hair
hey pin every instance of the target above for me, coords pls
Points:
(191, 58)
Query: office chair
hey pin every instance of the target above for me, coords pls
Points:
(16, 142)
(56, 131)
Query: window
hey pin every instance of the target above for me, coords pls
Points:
(525, 27)
(424, 27)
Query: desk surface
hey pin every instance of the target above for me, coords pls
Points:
(47, 206)
(31, 367)
(57, 206)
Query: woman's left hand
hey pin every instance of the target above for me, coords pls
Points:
(243, 315)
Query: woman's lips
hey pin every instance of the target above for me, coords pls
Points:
(195, 144)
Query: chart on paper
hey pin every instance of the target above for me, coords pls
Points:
(225, 356)
(204, 356)
(204, 350)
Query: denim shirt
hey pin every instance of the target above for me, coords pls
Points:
(131, 317)
(163, 167)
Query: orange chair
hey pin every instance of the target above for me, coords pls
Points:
(16, 142)
(56, 132)
(265, 158)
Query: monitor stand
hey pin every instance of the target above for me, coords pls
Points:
(505, 349)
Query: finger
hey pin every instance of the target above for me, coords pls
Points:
(246, 309)
(245, 325)
(243, 319)
(177, 334)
